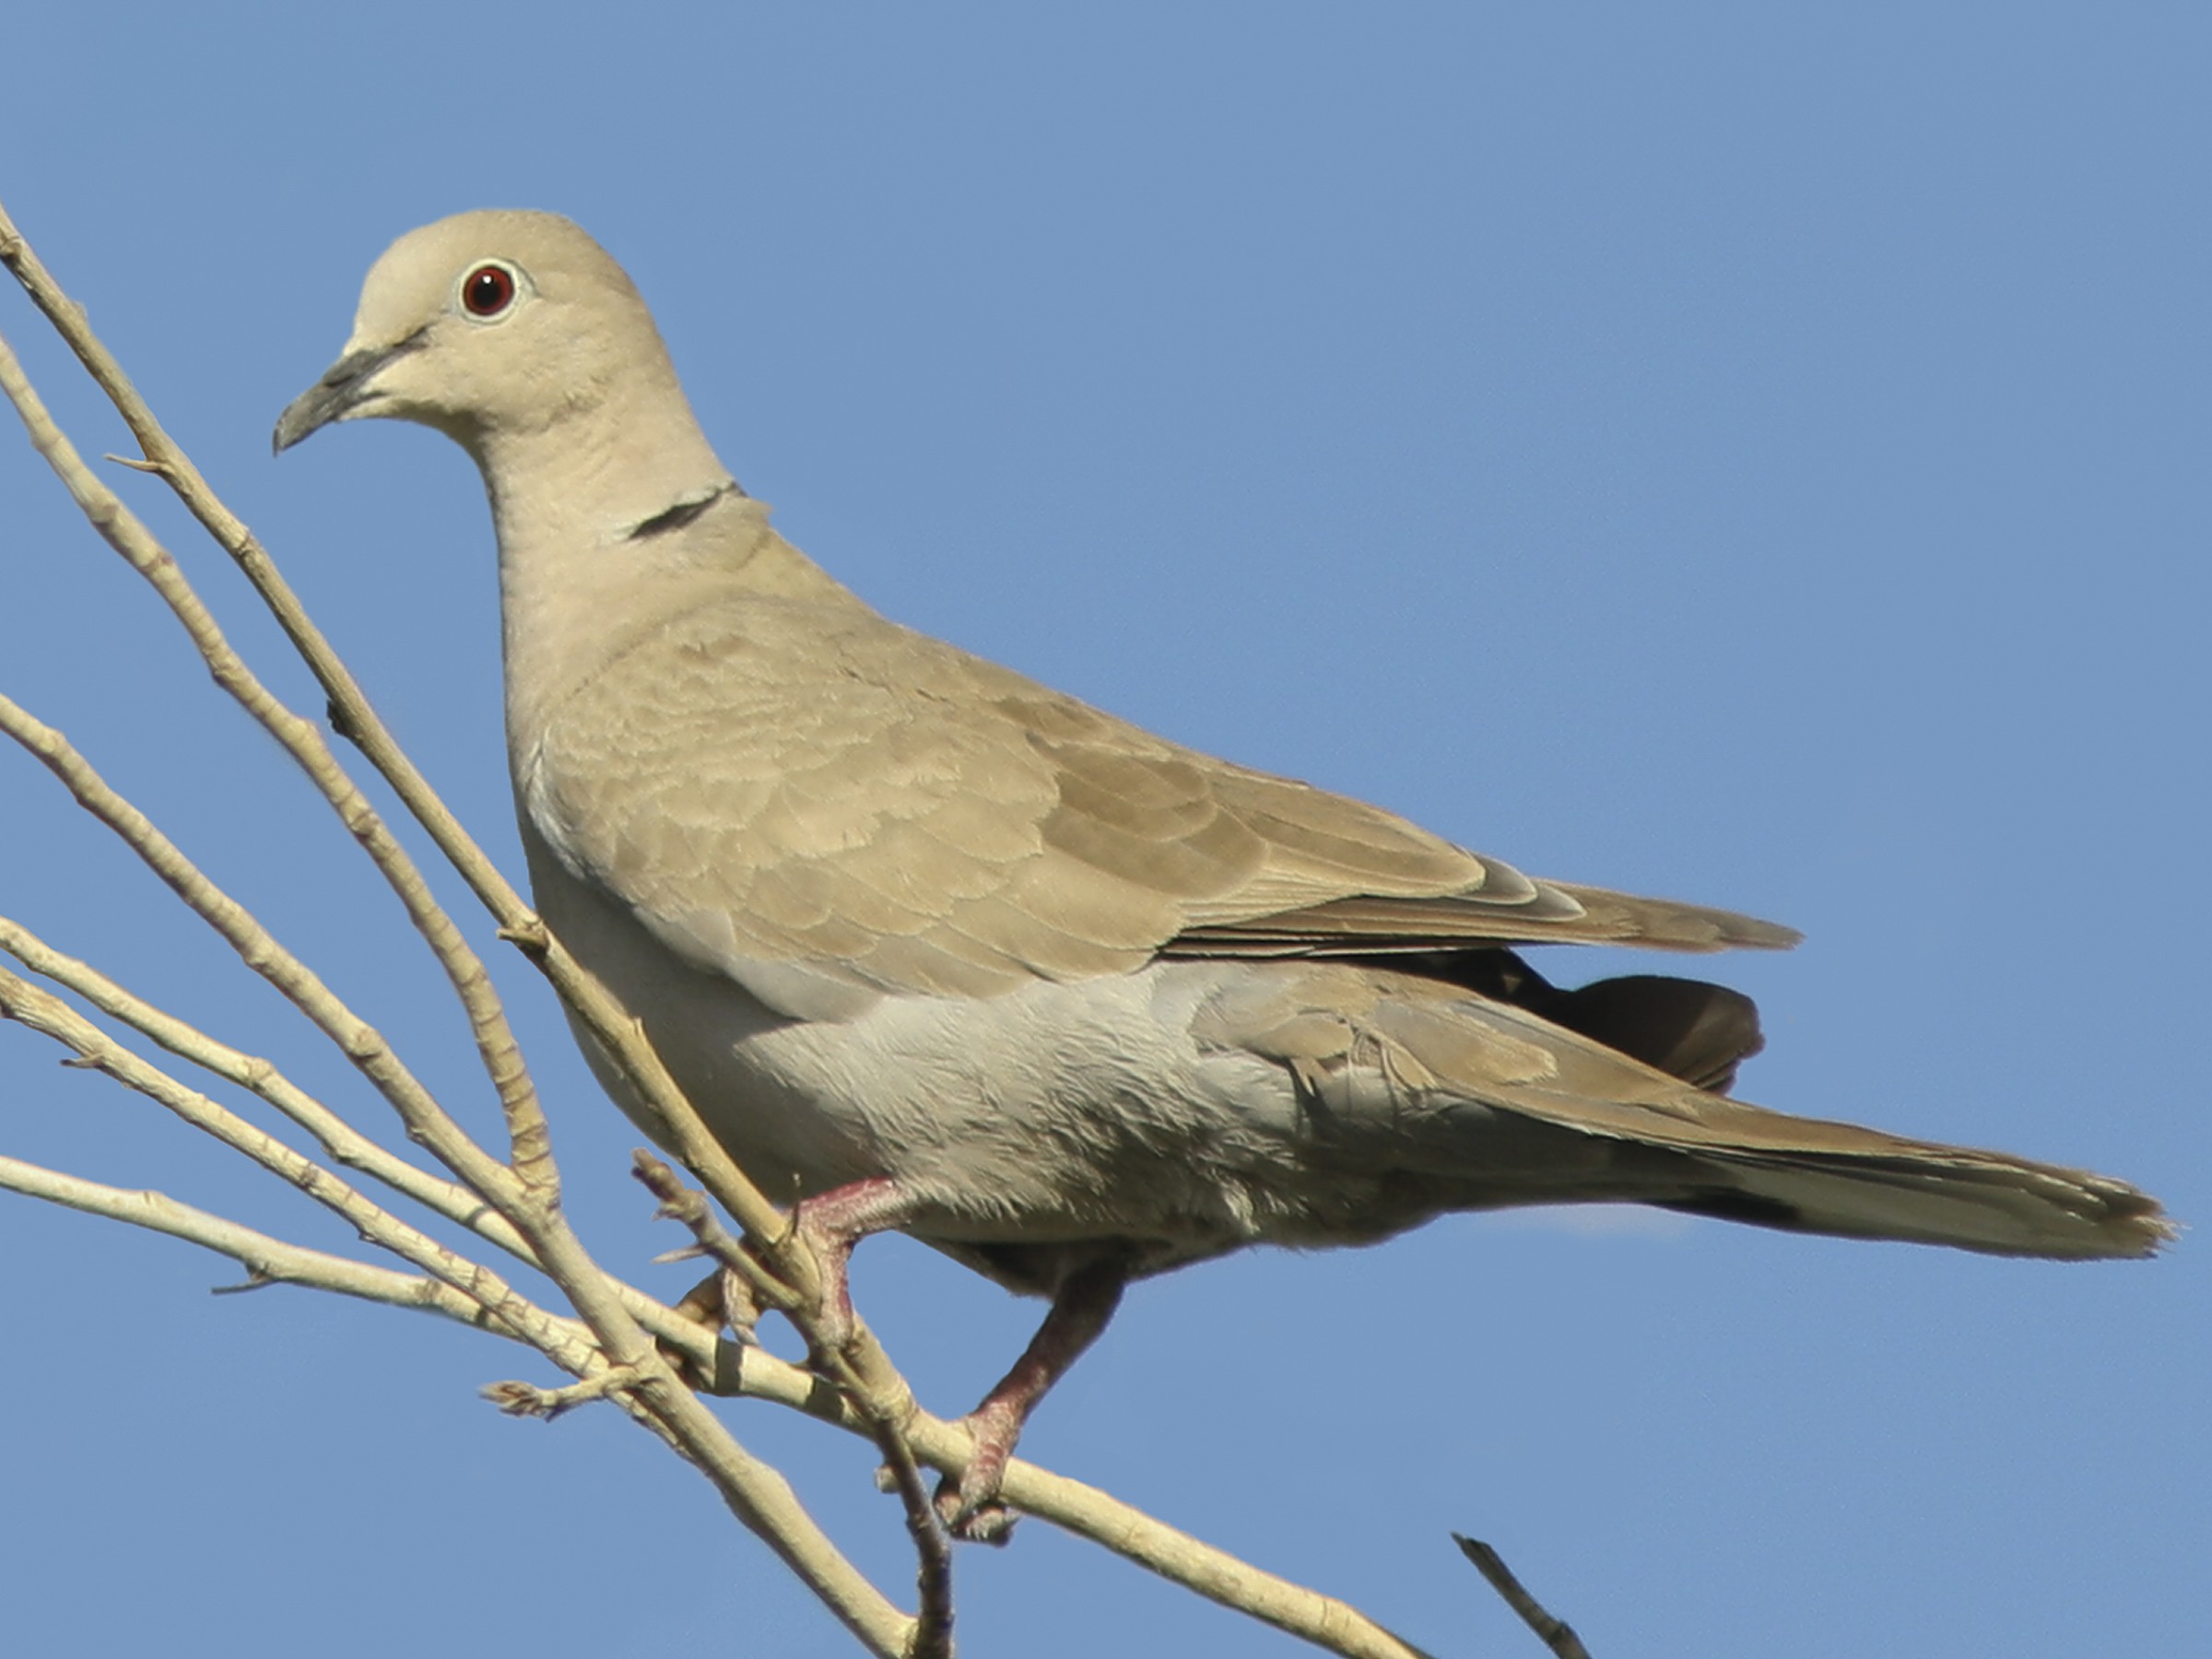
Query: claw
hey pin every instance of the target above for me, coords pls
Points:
(970, 1506)
(988, 1522)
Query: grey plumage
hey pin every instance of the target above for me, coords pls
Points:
(941, 948)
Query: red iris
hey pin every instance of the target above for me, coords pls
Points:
(489, 291)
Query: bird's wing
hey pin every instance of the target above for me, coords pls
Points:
(771, 781)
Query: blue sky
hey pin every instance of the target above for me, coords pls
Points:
(1750, 453)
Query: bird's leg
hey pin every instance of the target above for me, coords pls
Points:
(829, 1226)
(1080, 1310)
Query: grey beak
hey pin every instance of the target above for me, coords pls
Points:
(343, 388)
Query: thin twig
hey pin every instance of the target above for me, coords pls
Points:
(527, 1399)
(933, 1547)
(1553, 1632)
(271, 1261)
(709, 1236)
(345, 1144)
(885, 1419)
(426, 1120)
(45, 1012)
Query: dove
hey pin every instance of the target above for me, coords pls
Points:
(934, 948)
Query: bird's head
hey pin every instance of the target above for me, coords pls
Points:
(489, 325)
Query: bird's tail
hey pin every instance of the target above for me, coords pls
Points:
(1922, 1192)
(1875, 1186)
(1504, 1106)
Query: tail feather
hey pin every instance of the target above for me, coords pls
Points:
(1686, 1027)
(1932, 1194)
(1503, 1083)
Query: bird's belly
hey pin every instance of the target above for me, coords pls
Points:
(1054, 1113)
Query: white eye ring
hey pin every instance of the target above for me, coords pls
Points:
(489, 290)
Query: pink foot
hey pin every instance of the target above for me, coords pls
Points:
(1085, 1301)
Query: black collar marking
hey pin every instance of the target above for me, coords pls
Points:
(682, 513)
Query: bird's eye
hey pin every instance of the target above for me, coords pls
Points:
(488, 290)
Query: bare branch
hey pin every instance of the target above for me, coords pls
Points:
(426, 1120)
(270, 1261)
(884, 1419)
(301, 738)
(350, 708)
(500, 1303)
(1105, 1519)
(759, 1496)
(502, 1059)
(345, 1144)
(1554, 1633)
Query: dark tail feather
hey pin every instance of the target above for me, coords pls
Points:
(1684, 1028)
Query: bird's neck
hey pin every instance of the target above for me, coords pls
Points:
(588, 478)
(601, 536)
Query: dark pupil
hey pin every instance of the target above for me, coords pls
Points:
(488, 290)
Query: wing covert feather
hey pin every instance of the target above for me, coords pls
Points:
(780, 781)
